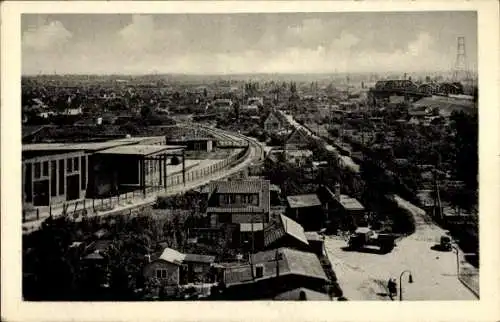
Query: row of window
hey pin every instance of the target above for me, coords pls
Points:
(41, 169)
(239, 199)
(48, 170)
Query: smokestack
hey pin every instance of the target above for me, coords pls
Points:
(337, 191)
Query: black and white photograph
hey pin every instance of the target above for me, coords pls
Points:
(250, 156)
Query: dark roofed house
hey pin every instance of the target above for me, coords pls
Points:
(273, 272)
(307, 210)
(274, 123)
(236, 202)
(342, 210)
(298, 139)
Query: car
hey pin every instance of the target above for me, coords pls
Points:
(445, 243)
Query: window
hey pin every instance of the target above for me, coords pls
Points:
(28, 190)
(84, 172)
(198, 269)
(61, 177)
(53, 178)
(161, 273)
(45, 169)
(238, 199)
(38, 171)
(259, 271)
(69, 165)
(76, 164)
(253, 199)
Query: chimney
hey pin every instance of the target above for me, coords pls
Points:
(148, 258)
(337, 191)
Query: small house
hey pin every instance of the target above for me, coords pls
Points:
(273, 272)
(172, 268)
(307, 210)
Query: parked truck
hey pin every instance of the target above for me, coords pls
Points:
(365, 236)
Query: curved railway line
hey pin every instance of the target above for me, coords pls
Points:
(254, 153)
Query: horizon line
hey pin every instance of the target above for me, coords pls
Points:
(236, 74)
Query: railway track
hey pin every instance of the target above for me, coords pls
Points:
(255, 154)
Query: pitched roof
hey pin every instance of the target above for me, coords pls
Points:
(293, 228)
(285, 260)
(259, 186)
(350, 203)
(272, 118)
(284, 226)
(172, 256)
(300, 201)
(294, 295)
(237, 186)
(299, 136)
(199, 258)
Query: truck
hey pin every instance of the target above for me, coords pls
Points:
(366, 237)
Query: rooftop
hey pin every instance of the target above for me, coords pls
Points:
(87, 146)
(186, 139)
(295, 295)
(350, 203)
(141, 149)
(289, 261)
(293, 229)
(236, 186)
(172, 256)
(300, 201)
(198, 258)
(138, 139)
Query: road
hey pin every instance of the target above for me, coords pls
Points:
(364, 275)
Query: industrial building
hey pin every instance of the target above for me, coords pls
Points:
(57, 173)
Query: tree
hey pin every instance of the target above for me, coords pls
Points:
(146, 111)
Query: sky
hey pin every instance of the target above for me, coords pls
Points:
(246, 43)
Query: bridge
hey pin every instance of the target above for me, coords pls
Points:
(409, 89)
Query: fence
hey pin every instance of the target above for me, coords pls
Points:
(80, 208)
(469, 277)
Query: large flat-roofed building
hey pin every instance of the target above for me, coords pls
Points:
(57, 173)
(132, 167)
(52, 177)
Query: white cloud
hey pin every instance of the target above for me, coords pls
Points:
(139, 34)
(46, 36)
(420, 45)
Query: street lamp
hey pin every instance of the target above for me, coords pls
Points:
(410, 280)
(458, 261)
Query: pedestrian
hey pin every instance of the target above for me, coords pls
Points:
(392, 287)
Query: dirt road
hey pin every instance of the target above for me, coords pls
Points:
(364, 275)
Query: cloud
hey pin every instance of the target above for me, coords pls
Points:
(420, 45)
(148, 43)
(46, 37)
(141, 36)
